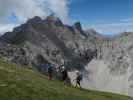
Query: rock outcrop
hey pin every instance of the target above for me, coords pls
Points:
(113, 69)
(55, 42)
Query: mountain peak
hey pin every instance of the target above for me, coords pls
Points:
(78, 26)
(35, 19)
(78, 29)
(54, 19)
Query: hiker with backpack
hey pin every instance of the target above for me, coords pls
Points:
(50, 71)
(63, 72)
(64, 75)
(78, 79)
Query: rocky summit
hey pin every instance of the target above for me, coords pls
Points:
(48, 40)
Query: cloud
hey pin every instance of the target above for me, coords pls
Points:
(115, 28)
(61, 7)
(127, 20)
(26, 9)
(8, 27)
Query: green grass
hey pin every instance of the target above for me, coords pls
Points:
(17, 83)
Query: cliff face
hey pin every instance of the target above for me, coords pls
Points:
(113, 69)
(53, 41)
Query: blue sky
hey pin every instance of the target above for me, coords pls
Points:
(101, 10)
(108, 17)
(102, 13)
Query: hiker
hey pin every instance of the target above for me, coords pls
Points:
(50, 71)
(78, 79)
(64, 75)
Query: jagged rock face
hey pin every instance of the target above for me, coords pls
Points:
(53, 40)
(14, 54)
(119, 53)
(113, 69)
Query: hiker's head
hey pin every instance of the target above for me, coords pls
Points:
(63, 67)
(77, 72)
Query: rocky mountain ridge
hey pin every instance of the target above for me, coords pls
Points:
(53, 41)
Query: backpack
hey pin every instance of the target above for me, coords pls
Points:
(50, 68)
(80, 77)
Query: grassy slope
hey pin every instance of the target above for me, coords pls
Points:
(18, 83)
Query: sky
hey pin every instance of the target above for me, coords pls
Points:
(108, 17)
